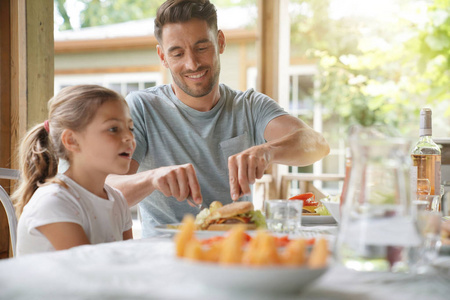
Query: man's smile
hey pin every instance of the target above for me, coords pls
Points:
(196, 76)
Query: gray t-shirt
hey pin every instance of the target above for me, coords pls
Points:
(168, 132)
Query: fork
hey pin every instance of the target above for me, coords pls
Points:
(199, 206)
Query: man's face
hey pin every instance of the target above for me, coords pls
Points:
(191, 52)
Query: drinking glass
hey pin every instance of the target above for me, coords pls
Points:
(284, 216)
(433, 202)
(429, 223)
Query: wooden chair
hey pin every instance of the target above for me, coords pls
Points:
(11, 215)
(9, 174)
(8, 206)
(306, 183)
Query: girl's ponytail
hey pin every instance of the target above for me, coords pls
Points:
(37, 161)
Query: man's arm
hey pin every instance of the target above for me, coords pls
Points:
(178, 181)
(289, 141)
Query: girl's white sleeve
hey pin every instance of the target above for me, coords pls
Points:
(51, 207)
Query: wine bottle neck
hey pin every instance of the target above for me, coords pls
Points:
(425, 124)
(425, 132)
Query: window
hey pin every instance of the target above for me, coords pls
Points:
(123, 83)
(303, 92)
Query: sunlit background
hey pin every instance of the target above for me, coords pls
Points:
(351, 61)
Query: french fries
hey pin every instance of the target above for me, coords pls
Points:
(295, 253)
(231, 252)
(185, 235)
(319, 255)
(262, 250)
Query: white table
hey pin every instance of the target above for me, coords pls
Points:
(147, 269)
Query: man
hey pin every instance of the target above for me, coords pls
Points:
(196, 137)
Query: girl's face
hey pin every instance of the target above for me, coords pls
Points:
(107, 143)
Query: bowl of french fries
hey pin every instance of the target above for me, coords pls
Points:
(252, 263)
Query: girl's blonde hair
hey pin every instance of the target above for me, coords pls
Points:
(40, 150)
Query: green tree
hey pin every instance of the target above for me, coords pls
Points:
(104, 12)
(369, 72)
(433, 45)
(61, 8)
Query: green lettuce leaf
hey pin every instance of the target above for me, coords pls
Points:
(322, 210)
(258, 218)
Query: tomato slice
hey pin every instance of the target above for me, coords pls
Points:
(212, 240)
(282, 241)
(247, 237)
(311, 241)
(304, 196)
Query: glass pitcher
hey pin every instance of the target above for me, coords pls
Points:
(377, 228)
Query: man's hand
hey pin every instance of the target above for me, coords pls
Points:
(289, 142)
(245, 167)
(178, 181)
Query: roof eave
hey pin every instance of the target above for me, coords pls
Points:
(137, 42)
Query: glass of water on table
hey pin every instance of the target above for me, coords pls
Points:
(284, 216)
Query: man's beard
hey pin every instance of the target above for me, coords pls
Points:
(198, 93)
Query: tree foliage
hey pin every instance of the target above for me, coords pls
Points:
(104, 12)
(376, 72)
(433, 45)
(61, 8)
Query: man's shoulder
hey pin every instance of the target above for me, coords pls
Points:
(249, 95)
(149, 94)
(232, 93)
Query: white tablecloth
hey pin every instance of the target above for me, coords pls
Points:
(147, 269)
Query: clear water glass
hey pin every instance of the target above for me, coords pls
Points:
(284, 216)
(429, 223)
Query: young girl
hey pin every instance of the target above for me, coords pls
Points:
(90, 127)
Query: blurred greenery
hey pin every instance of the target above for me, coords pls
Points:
(104, 12)
(374, 71)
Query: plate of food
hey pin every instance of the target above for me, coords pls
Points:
(314, 212)
(218, 219)
(258, 264)
(333, 208)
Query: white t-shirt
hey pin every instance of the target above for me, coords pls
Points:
(103, 220)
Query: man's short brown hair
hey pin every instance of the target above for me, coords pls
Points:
(180, 11)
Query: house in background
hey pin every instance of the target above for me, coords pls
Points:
(123, 56)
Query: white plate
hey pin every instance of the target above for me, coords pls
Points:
(254, 279)
(201, 234)
(333, 208)
(316, 220)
